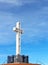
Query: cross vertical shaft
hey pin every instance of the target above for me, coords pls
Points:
(18, 31)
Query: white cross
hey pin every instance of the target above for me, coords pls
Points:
(18, 31)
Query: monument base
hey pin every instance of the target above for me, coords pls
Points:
(17, 58)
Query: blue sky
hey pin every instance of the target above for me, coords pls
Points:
(33, 16)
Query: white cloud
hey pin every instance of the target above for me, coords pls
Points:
(19, 2)
(35, 29)
(6, 25)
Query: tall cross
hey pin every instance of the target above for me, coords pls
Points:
(18, 31)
